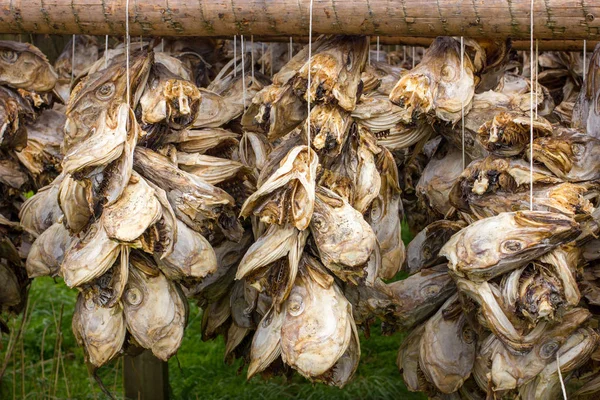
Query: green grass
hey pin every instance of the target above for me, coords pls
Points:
(198, 371)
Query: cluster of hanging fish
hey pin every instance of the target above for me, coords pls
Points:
(31, 124)
(503, 269)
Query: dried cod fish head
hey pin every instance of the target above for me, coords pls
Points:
(215, 142)
(155, 311)
(107, 289)
(574, 157)
(15, 111)
(290, 188)
(493, 246)
(213, 110)
(343, 237)
(10, 293)
(377, 113)
(24, 66)
(423, 250)
(384, 216)
(447, 347)
(408, 360)
(89, 256)
(254, 151)
(336, 67)
(367, 181)
(437, 83)
(318, 324)
(169, 98)
(511, 370)
(87, 51)
(328, 129)
(266, 342)
(573, 354)
(96, 102)
(420, 295)
(507, 134)
(100, 330)
(402, 136)
(47, 252)
(274, 111)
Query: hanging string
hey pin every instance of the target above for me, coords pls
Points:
(127, 44)
(271, 58)
(369, 53)
(413, 57)
(291, 49)
(404, 56)
(262, 58)
(252, 54)
(73, 61)
(106, 52)
(234, 55)
(243, 72)
(310, 23)
(462, 102)
(162, 45)
(531, 111)
(537, 100)
(584, 58)
(560, 378)
(377, 48)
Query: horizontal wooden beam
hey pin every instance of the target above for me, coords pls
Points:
(553, 19)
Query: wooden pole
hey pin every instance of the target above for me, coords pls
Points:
(145, 377)
(553, 19)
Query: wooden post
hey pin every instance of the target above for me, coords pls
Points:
(145, 377)
(553, 19)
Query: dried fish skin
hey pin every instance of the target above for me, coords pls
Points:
(86, 48)
(507, 134)
(335, 67)
(408, 359)
(10, 295)
(377, 113)
(24, 66)
(89, 257)
(341, 234)
(47, 252)
(192, 257)
(100, 330)
(15, 111)
(317, 327)
(403, 136)
(213, 110)
(213, 170)
(296, 175)
(423, 250)
(155, 312)
(573, 157)
(420, 295)
(254, 151)
(437, 84)
(447, 347)
(496, 245)
(367, 182)
(586, 110)
(136, 209)
(41, 210)
(213, 141)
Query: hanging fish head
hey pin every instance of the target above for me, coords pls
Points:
(24, 66)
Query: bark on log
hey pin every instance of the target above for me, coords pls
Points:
(553, 19)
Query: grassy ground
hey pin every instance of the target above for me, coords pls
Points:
(48, 363)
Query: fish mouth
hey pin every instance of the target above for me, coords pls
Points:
(554, 155)
(502, 134)
(414, 94)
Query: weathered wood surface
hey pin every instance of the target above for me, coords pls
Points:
(554, 19)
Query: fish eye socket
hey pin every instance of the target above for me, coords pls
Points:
(9, 56)
(133, 296)
(430, 290)
(448, 73)
(512, 246)
(349, 60)
(376, 210)
(549, 349)
(295, 305)
(105, 91)
(468, 335)
(318, 223)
